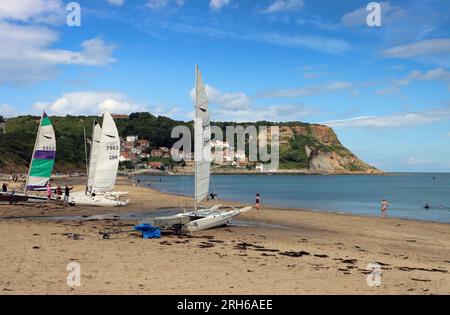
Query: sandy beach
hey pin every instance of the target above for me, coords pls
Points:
(276, 251)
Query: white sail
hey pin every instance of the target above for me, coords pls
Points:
(202, 140)
(107, 160)
(95, 144)
(43, 158)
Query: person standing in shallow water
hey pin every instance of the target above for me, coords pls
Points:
(258, 202)
(384, 207)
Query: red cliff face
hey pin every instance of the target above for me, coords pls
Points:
(324, 151)
(325, 134)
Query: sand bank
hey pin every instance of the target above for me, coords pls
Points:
(277, 251)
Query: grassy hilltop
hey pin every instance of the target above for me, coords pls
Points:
(302, 146)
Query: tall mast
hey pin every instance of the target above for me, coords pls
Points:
(86, 157)
(34, 150)
(195, 126)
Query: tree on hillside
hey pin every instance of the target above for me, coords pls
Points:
(2, 119)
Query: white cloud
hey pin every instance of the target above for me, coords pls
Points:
(96, 102)
(308, 90)
(422, 48)
(239, 107)
(43, 11)
(396, 120)
(434, 74)
(217, 5)
(7, 111)
(430, 75)
(286, 112)
(316, 43)
(25, 56)
(95, 53)
(89, 102)
(284, 5)
(157, 4)
(328, 45)
(228, 101)
(118, 3)
(28, 54)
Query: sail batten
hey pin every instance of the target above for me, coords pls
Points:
(44, 155)
(202, 140)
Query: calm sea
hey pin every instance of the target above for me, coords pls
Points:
(407, 193)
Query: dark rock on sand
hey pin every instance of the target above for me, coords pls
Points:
(295, 254)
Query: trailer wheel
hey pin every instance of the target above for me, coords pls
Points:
(177, 228)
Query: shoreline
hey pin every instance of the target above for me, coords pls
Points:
(151, 172)
(128, 179)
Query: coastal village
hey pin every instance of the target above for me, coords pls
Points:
(138, 153)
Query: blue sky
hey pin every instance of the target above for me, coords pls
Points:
(385, 90)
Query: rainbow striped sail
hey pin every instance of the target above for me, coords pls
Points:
(44, 155)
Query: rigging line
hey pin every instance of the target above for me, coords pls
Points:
(214, 190)
(186, 185)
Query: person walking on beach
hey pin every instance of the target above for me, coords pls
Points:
(67, 193)
(384, 207)
(49, 191)
(4, 188)
(58, 193)
(258, 202)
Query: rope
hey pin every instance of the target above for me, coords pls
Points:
(214, 190)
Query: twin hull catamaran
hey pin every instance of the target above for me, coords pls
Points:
(200, 219)
(103, 168)
(41, 166)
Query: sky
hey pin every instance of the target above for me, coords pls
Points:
(385, 90)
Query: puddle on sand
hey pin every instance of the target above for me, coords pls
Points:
(239, 223)
(97, 217)
(130, 216)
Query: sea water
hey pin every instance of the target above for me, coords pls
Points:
(356, 194)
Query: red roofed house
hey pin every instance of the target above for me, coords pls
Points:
(156, 165)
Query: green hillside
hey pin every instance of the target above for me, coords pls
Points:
(16, 145)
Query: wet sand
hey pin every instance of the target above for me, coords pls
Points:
(276, 251)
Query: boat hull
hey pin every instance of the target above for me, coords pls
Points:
(96, 201)
(12, 198)
(215, 219)
(16, 198)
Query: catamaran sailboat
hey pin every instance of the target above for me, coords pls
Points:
(41, 166)
(103, 168)
(206, 218)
